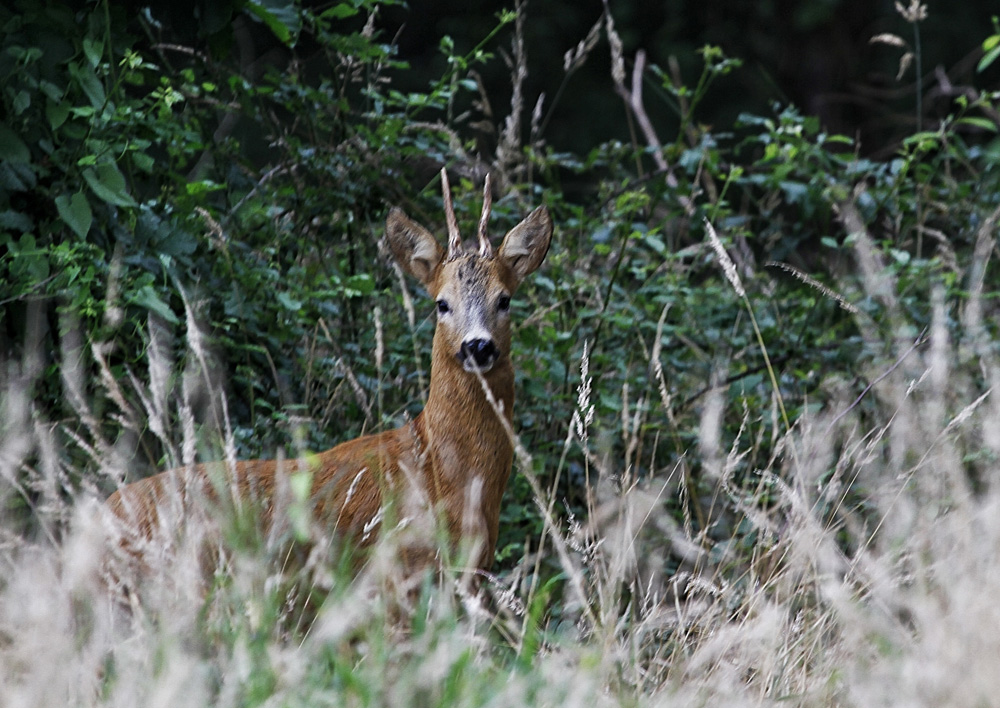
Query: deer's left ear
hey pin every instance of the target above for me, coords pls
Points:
(524, 247)
(412, 246)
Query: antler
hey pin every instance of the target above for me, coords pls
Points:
(454, 239)
(485, 249)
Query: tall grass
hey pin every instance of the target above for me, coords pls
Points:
(865, 572)
(858, 566)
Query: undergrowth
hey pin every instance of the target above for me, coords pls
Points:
(758, 430)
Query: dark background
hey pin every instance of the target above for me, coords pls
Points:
(814, 54)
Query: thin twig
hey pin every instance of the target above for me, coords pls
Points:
(777, 361)
(274, 171)
(920, 340)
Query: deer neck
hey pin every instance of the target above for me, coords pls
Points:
(462, 431)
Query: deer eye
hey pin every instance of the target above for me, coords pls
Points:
(503, 304)
(443, 307)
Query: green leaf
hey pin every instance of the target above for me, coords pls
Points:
(988, 58)
(925, 140)
(281, 18)
(143, 161)
(11, 220)
(202, 187)
(57, 113)
(176, 243)
(89, 84)
(12, 148)
(17, 176)
(75, 213)
(289, 302)
(340, 11)
(108, 183)
(214, 17)
(148, 298)
(656, 243)
(21, 102)
(51, 91)
(93, 49)
(359, 284)
(978, 123)
(29, 263)
(900, 256)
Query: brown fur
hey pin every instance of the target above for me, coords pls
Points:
(450, 464)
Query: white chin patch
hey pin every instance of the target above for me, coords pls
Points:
(469, 364)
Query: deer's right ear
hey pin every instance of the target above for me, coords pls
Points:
(412, 246)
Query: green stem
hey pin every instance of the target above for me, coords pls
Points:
(767, 363)
(920, 76)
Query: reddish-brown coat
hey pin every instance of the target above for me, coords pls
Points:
(450, 464)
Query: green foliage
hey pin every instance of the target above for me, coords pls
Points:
(991, 48)
(204, 231)
(148, 205)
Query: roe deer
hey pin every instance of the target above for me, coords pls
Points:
(453, 460)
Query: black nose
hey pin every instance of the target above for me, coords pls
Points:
(482, 351)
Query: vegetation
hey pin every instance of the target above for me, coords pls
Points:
(757, 408)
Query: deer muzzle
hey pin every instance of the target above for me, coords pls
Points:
(478, 355)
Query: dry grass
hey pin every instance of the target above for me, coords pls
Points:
(870, 579)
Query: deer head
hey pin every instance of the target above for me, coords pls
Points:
(472, 289)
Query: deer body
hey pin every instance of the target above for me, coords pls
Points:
(452, 462)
